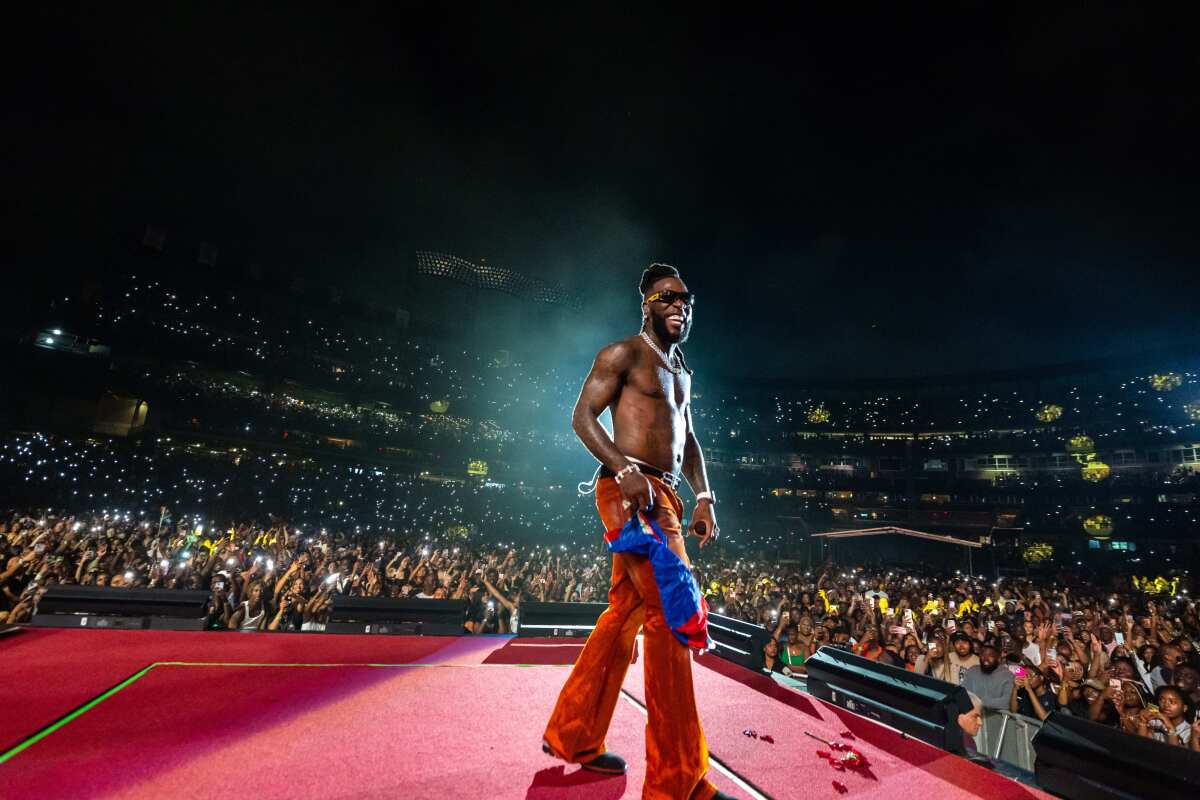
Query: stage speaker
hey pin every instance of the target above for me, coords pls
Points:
(919, 705)
(65, 606)
(737, 640)
(559, 619)
(1082, 760)
(393, 616)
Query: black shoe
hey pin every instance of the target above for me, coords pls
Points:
(606, 763)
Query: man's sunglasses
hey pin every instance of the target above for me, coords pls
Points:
(669, 296)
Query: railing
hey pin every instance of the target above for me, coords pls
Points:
(1008, 737)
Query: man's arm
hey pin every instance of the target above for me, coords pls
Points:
(600, 390)
(693, 459)
(461, 589)
(704, 518)
(277, 620)
(1099, 659)
(783, 620)
(496, 593)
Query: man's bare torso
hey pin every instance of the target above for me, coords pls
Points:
(650, 412)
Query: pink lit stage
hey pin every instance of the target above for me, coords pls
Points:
(106, 714)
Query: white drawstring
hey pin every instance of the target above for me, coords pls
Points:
(587, 487)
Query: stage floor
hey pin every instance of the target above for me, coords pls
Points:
(107, 714)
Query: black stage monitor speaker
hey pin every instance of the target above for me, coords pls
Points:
(106, 607)
(559, 619)
(737, 640)
(385, 615)
(1081, 760)
(919, 705)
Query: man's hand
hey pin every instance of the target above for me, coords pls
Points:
(704, 523)
(637, 492)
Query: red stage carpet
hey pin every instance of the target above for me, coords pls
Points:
(48, 671)
(740, 700)
(325, 716)
(543, 651)
(287, 732)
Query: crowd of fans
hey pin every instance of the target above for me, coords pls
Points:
(200, 476)
(249, 332)
(237, 406)
(1120, 654)
(204, 480)
(224, 371)
(283, 578)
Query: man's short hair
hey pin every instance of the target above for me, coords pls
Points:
(654, 273)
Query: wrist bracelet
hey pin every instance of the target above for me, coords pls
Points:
(621, 473)
(706, 495)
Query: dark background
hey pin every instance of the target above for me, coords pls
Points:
(894, 192)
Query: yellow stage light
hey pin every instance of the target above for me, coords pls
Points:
(1081, 444)
(1099, 525)
(1038, 552)
(1049, 412)
(1166, 381)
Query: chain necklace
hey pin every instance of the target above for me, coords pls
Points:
(675, 369)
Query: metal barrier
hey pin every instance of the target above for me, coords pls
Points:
(1008, 737)
(795, 681)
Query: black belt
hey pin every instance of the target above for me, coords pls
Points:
(669, 478)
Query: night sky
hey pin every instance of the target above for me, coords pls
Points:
(892, 193)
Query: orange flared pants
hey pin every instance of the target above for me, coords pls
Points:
(676, 753)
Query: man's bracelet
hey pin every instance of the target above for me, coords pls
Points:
(621, 473)
(709, 496)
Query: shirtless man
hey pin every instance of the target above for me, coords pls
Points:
(646, 383)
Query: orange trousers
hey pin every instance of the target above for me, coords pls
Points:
(676, 753)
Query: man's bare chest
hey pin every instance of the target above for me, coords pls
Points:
(660, 385)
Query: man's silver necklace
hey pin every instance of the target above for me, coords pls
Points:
(675, 369)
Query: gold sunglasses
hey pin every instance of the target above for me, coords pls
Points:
(669, 296)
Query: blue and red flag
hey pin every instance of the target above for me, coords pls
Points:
(683, 605)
